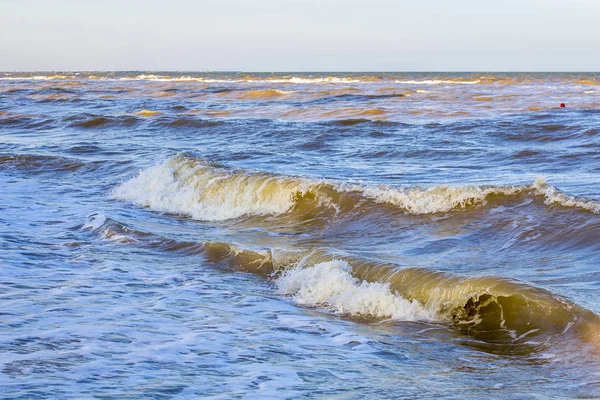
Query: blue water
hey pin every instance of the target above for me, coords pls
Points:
(299, 236)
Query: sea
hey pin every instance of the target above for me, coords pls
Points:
(231, 235)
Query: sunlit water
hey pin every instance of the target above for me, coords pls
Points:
(299, 235)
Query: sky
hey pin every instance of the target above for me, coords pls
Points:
(300, 35)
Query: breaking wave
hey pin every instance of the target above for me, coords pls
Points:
(489, 308)
(185, 185)
(189, 186)
(439, 82)
(254, 79)
(330, 284)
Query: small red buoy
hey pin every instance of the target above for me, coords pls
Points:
(562, 105)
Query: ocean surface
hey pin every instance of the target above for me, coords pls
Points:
(273, 236)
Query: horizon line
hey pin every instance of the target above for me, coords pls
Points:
(223, 71)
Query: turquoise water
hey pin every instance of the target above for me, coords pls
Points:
(299, 235)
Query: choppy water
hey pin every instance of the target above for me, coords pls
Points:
(303, 235)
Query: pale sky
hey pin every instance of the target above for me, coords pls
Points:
(300, 35)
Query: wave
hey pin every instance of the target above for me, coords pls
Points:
(148, 113)
(489, 308)
(42, 164)
(167, 78)
(350, 121)
(190, 186)
(327, 79)
(439, 82)
(210, 113)
(62, 88)
(36, 77)
(228, 255)
(330, 284)
(352, 97)
(446, 198)
(292, 79)
(265, 94)
(184, 122)
(492, 309)
(341, 78)
(186, 185)
(58, 99)
(26, 121)
(592, 82)
(373, 111)
(90, 121)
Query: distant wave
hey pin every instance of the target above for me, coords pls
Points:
(166, 78)
(25, 121)
(148, 113)
(292, 79)
(439, 82)
(46, 164)
(91, 121)
(187, 122)
(265, 94)
(201, 79)
(328, 79)
(39, 163)
(351, 97)
(36, 77)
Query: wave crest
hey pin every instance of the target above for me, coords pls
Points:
(184, 185)
(488, 308)
(265, 93)
(331, 284)
(188, 186)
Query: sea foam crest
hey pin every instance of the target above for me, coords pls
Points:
(183, 185)
(163, 78)
(186, 185)
(36, 77)
(555, 196)
(331, 285)
(438, 198)
(294, 79)
(445, 198)
(328, 79)
(438, 82)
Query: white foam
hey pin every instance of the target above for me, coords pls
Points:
(184, 185)
(294, 79)
(35, 78)
(161, 78)
(436, 199)
(554, 196)
(181, 185)
(332, 286)
(329, 79)
(445, 198)
(438, 82)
